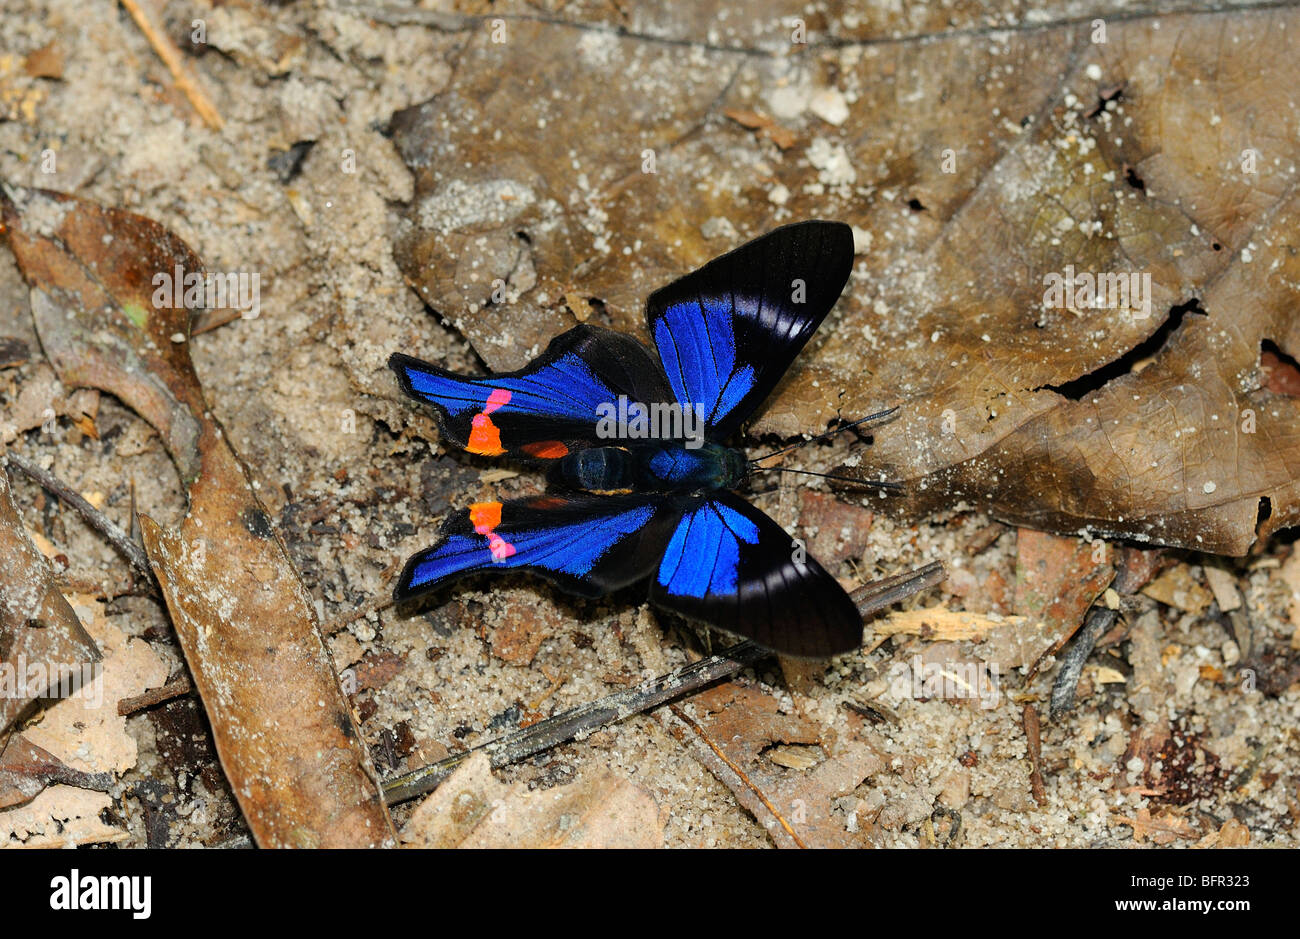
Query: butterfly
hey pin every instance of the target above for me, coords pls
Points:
(634, 447)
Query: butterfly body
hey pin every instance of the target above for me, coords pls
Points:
(670, 467)
(642, 501)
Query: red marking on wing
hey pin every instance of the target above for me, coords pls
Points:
(546, 449)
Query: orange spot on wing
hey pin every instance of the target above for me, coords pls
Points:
(484, 437)
(546, 449)
(486, 516)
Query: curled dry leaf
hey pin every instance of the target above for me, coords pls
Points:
(40, 635)
(283, 728)
(1152, 418)
(472, 810)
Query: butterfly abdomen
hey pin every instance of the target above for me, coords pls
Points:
(604, 470)
(666, 467)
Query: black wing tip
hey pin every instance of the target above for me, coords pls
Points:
(403, 590)
(401, 365)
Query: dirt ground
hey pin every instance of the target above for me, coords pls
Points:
(1185, 728)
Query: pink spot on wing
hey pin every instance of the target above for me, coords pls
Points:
(498, 398)
(501, 549)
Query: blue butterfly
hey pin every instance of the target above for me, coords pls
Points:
(634, 450)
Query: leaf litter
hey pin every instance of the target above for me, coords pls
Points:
(347, 502)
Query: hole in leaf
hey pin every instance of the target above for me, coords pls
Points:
(1133, 179)
(1281, 371)
(915, 205)
(1079, 388)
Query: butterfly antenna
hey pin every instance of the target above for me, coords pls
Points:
(869, 483)
(879, 415)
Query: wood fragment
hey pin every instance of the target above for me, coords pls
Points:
(173, 689)
(1033, 737)
(1098, 623)
(171, 57)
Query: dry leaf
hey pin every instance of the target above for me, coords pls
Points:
(1154, 422)
(84, 730)
(60, 817)
(731, 728)
(284, 731)
(473, 810)
(40, 636)
(26, 769)
(1177, 588)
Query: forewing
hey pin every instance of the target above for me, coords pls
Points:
(586, 545)
(729, 565)
(546, 409)
(727, 332)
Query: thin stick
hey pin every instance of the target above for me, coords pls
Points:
(1098, 623)
(623, 704)
(172, 59)
(1034, 747)
(132, 550)
(173, 689)
(875, 596)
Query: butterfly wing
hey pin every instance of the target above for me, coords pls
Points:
(586, 545)
(727, 332)
(546, 409)
(729, 565)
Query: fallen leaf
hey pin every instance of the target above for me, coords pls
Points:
(471, 809)
(43, 646)
(84, 730)
(26, 770)
(1057, 581)
(1177, 588)
(732, 727)
(1154, 422)
(284, 730)
(60, 817)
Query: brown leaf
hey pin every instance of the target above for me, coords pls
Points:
(26, 769)
(731, 729)
(1163, 425)
(283, 728)
(40, 636)
(472, 810)
(1057, 580)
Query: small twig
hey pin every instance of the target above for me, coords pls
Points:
(1098, 623)
(173, 689)
(623, 704)
(726, 761)
(1034, 740)
(209, 320)
(589, 717)
(875, 596)
(172, 59)
(132, 550)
